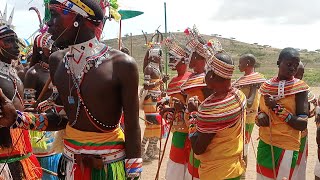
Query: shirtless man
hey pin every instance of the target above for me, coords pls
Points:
(37, 76)
(35, 80)
(13, 142)
(94, 91)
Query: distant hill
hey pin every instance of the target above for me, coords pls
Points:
(266, 55)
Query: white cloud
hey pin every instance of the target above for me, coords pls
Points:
(271, 11)
(277, 23)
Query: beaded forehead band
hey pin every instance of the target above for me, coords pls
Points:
(174, 48)
(219, 67)
(75, 6)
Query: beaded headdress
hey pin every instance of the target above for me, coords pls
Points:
(175, 50)
(195, 43)
(44, 41)
(155, 49)
(219, 67)
(6, 24)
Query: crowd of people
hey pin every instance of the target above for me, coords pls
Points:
(71, 111)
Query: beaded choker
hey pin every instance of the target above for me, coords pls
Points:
(81, 57)
(11, 75)
(78, 61)
(8, 70)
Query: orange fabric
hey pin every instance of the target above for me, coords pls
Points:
(283, 135)
(223, 157)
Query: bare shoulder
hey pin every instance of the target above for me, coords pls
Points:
(123, 62)
(31, 73)
(57, 56)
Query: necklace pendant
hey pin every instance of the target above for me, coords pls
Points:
(71, 99)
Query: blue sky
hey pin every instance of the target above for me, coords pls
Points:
(279, 23)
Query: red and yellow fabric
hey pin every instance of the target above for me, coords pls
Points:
(174, 87)
(151, 111)
(216, 114)
(109, 146)
(21, 148)
(174, 91)
(193, 87)
(283, 135)
(224, 117)
(285, 140)
(195, 81)
(285, 162)
(244, 84)
(249, 80)
(179, 156)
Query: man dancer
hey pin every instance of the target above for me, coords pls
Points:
(180, 147)
(283, 114)
(35, 79)
(94, 91)
(16, 159)
(151, 95)
(195, 85)
(249, 84)
(216, 126)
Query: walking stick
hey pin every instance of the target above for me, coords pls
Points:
(271, 145)
(43, 91)
(49, 172)
(164, 150)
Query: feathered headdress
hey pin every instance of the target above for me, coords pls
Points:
(6, 24)
(195, 43)
(154, 44)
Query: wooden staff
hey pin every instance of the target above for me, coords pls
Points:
(164, 150)
(49, 172)
(43, 91)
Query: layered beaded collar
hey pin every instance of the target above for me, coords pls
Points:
(8, 70)
(82, 57)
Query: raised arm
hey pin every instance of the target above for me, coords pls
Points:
(130, 101)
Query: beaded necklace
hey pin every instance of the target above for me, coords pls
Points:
(44, 65)
(78, 64)
(11, 75)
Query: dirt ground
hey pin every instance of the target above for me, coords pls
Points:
(150, 169)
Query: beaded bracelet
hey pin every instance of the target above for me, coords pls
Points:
(193, 124)
(133, 167)
(31, 121)
(282, 113)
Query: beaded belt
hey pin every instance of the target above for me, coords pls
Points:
(108, 158)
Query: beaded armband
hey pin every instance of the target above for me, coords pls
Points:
(133, 167)
(193, 124)
(31, 121)
(282, 113)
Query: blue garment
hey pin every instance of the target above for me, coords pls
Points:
(50, 163)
